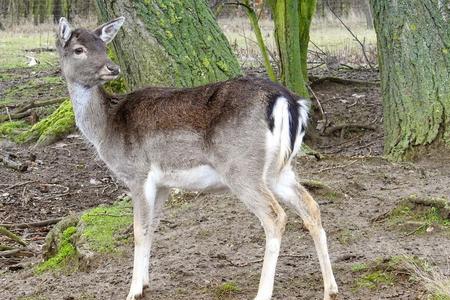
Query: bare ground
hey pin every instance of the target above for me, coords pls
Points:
(212, 239)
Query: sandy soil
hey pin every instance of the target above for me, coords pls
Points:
(212, 239)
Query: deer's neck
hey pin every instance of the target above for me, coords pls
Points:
(90, 109)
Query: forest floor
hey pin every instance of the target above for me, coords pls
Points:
(209, 246)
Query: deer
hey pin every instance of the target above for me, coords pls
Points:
(239, 136)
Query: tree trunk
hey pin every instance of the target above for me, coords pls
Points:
(166, 43)
(57, 11)
(367, 11)
(170, 42)
(292, 22)
(414, 58)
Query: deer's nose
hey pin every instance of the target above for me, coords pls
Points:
(113, 69)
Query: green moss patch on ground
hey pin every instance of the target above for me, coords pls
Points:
(48, 130)
(13, 129)
(102, 225)
(226, 290)
(74, 239)
(63, 256)
(418, 214)
(384, 272)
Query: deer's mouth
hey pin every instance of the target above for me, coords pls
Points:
(109, 76)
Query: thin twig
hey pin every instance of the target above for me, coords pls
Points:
(337, 167)
(363, 47)
(322, 111)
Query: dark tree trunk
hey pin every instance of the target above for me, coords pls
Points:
(414, 58)
(57, 10)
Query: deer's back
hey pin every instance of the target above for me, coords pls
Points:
(197, 109)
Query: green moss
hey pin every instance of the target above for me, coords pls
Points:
(385, 271)
(358, 267)
(66, 252)
(407, 211)
(12, 130)
(375, 279)
(226, 289)
(32, 297)
(438, 296)
(55, 126)
(101, 225)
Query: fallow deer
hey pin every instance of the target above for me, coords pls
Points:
(238, 135)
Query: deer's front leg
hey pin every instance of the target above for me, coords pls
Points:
(147, 204)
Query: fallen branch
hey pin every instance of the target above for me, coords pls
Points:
(34, 104)
(14, 116)
(318, 80)
(32, 224)
(12, 236)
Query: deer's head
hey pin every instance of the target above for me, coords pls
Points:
(83, 53)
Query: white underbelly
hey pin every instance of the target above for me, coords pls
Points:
(201, 178)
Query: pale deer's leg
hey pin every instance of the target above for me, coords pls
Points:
(273, 219)
(296, 196)
(147, 203)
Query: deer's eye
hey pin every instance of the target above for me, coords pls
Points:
(78, 51)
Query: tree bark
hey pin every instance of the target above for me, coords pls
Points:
(170, 42)
(292, 20)
(414, 59)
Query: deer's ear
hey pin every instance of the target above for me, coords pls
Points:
(64, 31)
(108, 31)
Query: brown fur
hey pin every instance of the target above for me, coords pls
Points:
(198, 109)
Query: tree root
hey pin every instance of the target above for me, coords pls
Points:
(318, 80)
(16, 252)
(333, 129)
(12, 236)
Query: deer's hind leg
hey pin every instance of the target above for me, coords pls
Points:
(287, 189)
(260, 200)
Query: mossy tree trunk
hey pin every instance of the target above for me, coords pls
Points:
(169, 42)
(414, 58)
(292, 23)
(165, 43)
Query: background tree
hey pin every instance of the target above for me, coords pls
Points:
(292, 20)
(414, 60)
